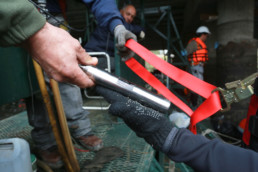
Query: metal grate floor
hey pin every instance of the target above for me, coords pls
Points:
(138, 156)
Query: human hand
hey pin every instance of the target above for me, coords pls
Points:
(59, 54)
(122, 35)
(147, 123)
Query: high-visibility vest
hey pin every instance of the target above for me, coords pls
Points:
(201, 54)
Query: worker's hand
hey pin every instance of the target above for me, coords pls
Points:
(59, 54)
(146, 122)
(121, 36)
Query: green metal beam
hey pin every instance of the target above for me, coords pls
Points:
(18, 79)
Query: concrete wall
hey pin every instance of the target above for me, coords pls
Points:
(235, 20)
(237, 54)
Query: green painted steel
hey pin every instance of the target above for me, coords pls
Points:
(17, 75)
(129, 75)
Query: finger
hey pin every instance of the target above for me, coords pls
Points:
(118, 109)
(81, 79)
(73, 74)
(127, 109)
(131, 54)
(128, 55)
(121, 40)
(130, 35)
(85, 59)
(120, 48)
(110, 95)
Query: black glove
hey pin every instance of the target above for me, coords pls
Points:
(146, 122)
(121, 36)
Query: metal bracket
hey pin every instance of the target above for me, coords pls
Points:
(237, 90)
(108, 69)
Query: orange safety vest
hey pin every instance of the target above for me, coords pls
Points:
(201, 54)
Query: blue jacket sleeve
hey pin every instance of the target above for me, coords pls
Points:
(105, 12)
(210, 155)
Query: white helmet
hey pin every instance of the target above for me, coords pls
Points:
(203, 29)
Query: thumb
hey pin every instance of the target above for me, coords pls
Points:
(121, 40)
(130, 35)
(85, 59)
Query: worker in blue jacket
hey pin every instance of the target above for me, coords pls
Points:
(102, 40)
(180, 145)
(109, 17)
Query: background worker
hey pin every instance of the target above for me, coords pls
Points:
(180, 145)
(59, 55)
(102, 40)
(197, 54)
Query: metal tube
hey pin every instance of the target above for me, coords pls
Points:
(141, 95)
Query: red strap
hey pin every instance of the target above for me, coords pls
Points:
(253, 106)
(184, 78)
(156, 84)
(208, 108)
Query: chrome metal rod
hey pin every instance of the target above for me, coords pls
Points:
(141, 95)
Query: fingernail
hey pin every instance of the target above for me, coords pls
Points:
(95, 59)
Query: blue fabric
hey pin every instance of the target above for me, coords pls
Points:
(101, 40)
(53, 6)
(105, 12)
(210, 155)
(169, 140)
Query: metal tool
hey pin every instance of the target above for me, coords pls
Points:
(141, 95)
(237, 90)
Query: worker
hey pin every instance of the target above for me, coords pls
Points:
(180, 145)
(59, 54)
(197, 54)
(101, 40)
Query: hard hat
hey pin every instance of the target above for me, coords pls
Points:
(203, 29)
